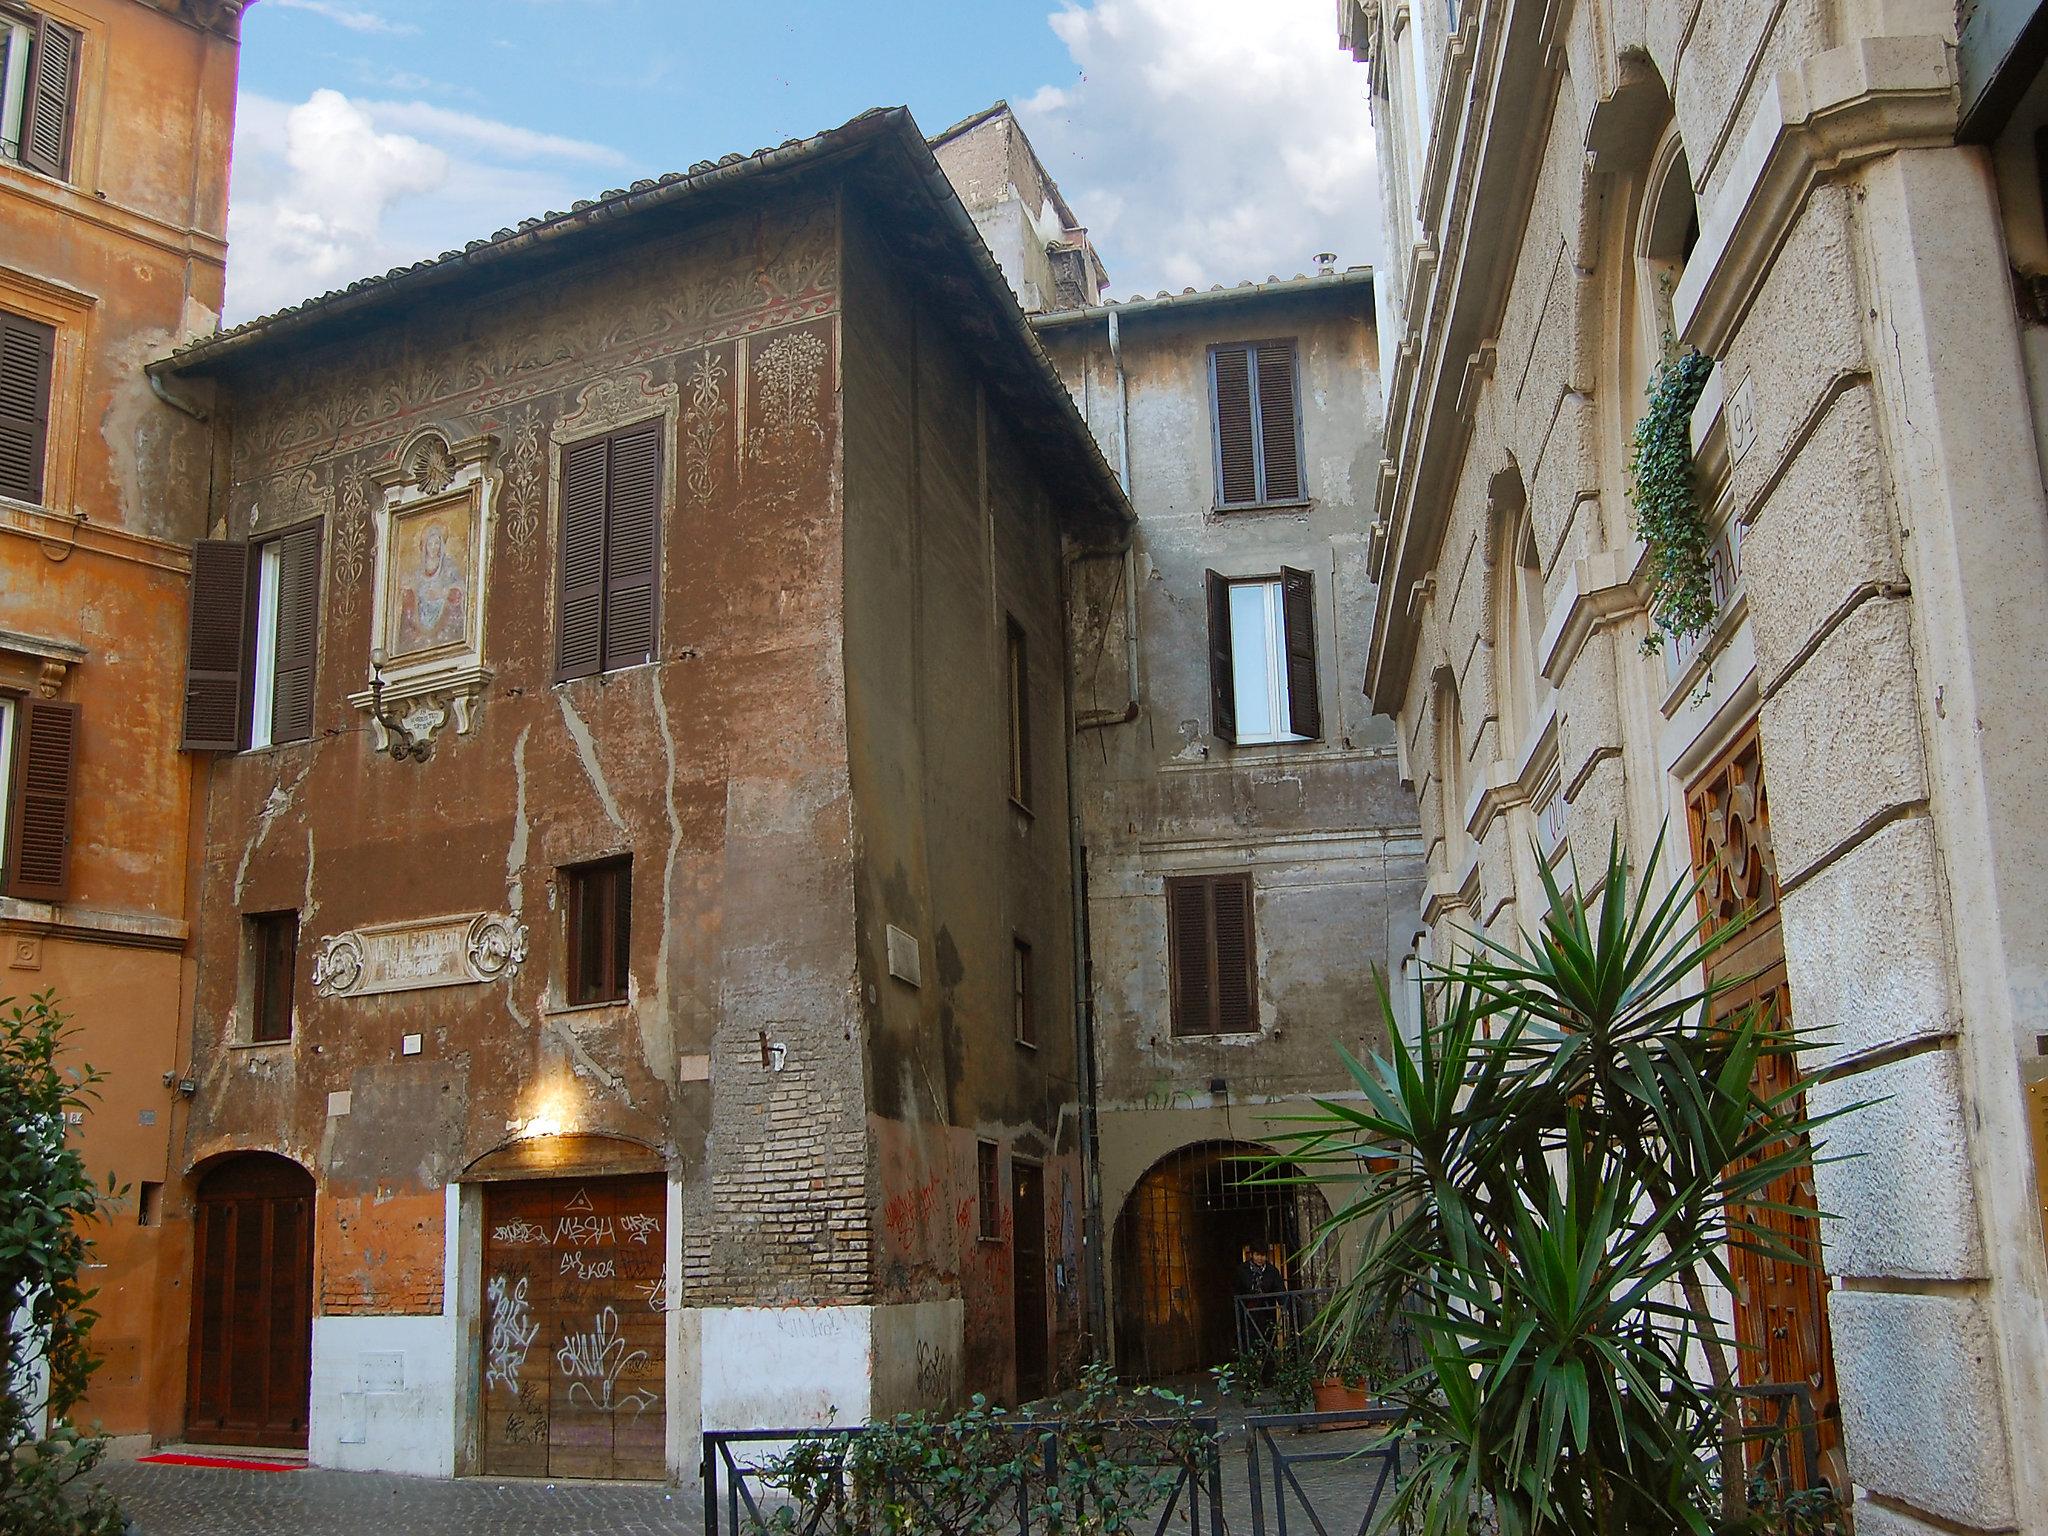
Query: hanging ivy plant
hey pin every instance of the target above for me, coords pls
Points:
(1668, 515)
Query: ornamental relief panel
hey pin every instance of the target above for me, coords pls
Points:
(337, 402)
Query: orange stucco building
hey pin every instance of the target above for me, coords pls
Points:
(115, 121)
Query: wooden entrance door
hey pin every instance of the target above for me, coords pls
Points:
(1027, 1246)
(1781, 1312)
(250, 1372)
(575, 1328)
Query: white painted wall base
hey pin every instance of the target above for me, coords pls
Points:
(799, 1367)
(384, 1394)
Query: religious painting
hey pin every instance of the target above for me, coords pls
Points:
(429, 579)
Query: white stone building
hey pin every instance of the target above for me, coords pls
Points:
(1840, 202)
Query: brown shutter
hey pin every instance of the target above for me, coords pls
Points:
(298, 633)
(1236, 995)
(579, 635)
(39, 830)
(1298, 621)
(1190, 957)
(632, 531)
(213, 660)
(1237, 473)
(26, 352)
(46, 115)
(1222, 675)
(1279, 424)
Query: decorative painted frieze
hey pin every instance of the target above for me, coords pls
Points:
(456, 951)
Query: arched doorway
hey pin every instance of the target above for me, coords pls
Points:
(1180, 1238)
(251, 1369)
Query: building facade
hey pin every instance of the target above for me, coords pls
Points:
(1252, 861)
(1839, 205)
(115, 120)
(636, 931)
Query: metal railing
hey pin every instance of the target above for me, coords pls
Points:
(740, 1496)
(1327, 1508)
(1269, 1321)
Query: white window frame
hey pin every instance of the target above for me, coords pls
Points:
(18, 35)
(1258, 662)
(263, 675)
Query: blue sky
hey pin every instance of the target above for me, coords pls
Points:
(1201, 140)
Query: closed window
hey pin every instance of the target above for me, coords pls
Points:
(27, 350)
(273, 947)
(988, 1191)
(1023, 1016)
(1209, 955)
(254, 641)
(599, 914)
(38, 764)
(609, 575)
(1254, 410)
(1018, 691)
(38, 91)
(1262, 659)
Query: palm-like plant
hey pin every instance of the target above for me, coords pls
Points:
(1549, 1178)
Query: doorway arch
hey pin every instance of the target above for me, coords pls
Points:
(249, 1381)
(1182, 1232)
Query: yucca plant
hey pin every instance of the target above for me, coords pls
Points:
(1548, 1180)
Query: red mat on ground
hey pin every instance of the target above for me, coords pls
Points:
(234, 1463)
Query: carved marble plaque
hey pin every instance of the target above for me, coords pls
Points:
(454, 951)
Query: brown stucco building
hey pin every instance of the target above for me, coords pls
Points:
(636, 927)
(115, 119)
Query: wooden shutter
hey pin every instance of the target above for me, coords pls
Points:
(298, 633)
(1209, 955)
(1237, 470)
(46, 114)
(1231, 919)
(1222, 673)
(26, 352)
(1279, 424)
(632, 531)
(214, 655)
(1190, 957)
(579, 634)
(1298, 621)
(39, 832)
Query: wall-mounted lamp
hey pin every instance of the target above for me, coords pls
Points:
(397, 740)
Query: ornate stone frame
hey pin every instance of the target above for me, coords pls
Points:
(431, 472)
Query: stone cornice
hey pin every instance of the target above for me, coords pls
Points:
(1870, 97)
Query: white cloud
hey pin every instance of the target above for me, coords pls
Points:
(1207, 141)
(353, 17)
(327, 190)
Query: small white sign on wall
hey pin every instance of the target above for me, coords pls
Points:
(1741, 409)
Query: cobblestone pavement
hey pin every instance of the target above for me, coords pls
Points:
(214, 1501)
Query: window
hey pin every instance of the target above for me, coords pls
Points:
(254, 641)
(273, 957)
(27, 350)
(599, 912)
(1210, 962)
(38, 86)
(1022, 997)
(1262, 659)
(38, 764)
(611, 521)
(1254, 410)
(1018, 684)
(990, 1191)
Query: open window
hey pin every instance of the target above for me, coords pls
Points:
(38, 91)
(254, 641)
(1262, 658)
(38, 768)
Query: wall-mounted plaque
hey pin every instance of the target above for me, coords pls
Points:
(454, 951)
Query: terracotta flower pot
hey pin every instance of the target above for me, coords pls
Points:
(1332, 1396)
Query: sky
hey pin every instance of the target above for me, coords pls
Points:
(1201, 141)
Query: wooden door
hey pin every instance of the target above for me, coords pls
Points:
(250, 1372)
(575, 1328)
(1781, 1312)
(1027, 1246)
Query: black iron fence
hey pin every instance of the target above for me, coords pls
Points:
(742, 1496)
(1333, 1486)
(1273, 1320)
